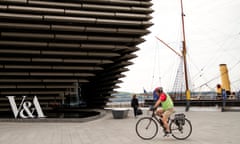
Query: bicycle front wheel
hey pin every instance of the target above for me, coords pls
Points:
(181, 131)
(146, 128)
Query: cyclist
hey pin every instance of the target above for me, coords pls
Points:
(167, 107)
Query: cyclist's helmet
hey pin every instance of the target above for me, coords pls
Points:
(155, 95)
(158, 89)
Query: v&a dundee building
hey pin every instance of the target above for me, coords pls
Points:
(66, 54)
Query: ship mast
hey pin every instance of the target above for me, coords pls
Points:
(184, 52)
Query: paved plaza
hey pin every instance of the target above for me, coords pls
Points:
(209, 127)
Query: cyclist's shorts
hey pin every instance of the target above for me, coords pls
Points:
(167, 113)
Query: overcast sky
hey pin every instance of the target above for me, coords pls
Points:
(212, 38)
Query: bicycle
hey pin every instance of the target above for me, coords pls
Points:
(180, 126)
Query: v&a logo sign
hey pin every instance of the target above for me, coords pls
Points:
(26, 109)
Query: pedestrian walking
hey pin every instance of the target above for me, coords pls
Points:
(134, 104)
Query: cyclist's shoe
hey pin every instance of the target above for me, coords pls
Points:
(166, 134)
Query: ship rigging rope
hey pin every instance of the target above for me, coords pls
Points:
(221, 46)
(218, 75)
(210, 10)
(155, 61)
(219, 52)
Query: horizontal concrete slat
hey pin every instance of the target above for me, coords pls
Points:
(65, 28)
(87, 46)
(105, 7)
(98, 29)
(28, 35)
(58, 53)
(17, 80)
(3, 7)
(15, 1)
(3, 51)
(65, 19)
(52, 74)
(101, 29)
(88, 61)
(121, 2)
(48, 60)
(20, 16)
(40, 98)
(100, 54)
(55, 4)
(141, 10)
(36, 86)
(126, 5)
(11, 59)
(78, 61)
(65, 37)
(36, 67)
(59, 86)
(30, 86)
(127, 57)
(110, 39)
(81, 20)
(58, 74)
(14, 73)
(23, 43)
(132, 31)
(103, 54)
(77, 4)
(99, 46)
(89, 13)
(35, 9)
(63, 45)
(24, 26)
(29, 92)
(68, 28)
(118, 22)
(117, 8)
(110, 15)
(46, 87)
(60, 45)
(132, 16)
(71, 37)
(8, 86)
(43, 67)
(60, 80)
(116, 39)
(76, 68)
(65, 80)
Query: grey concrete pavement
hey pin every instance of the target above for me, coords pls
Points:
(209, 127)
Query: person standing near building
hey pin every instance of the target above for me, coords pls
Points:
(134, 104)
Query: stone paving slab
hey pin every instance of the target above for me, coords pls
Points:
(209, 127)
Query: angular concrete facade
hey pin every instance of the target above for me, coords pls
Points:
(68, 51)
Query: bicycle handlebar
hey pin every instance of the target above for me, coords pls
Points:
(153, 110)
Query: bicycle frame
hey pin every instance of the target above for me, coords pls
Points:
(159, 120)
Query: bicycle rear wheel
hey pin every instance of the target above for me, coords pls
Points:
(146, 128)
(181, 131)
